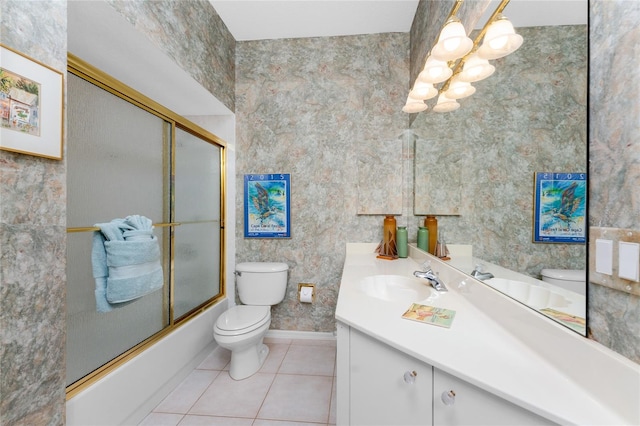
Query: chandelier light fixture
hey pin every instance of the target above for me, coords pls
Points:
(500, 40)
(456, 61)
(445, 104)
(475, 69)
(435, 71)
(423, 90)
(414, 105)
(459, 89)
(453, 42)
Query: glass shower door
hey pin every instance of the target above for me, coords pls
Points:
(197, 209)
(115, 156)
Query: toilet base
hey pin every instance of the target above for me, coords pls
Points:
(246, 362)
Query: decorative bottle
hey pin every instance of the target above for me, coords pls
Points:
(423, 238)
(389, 237)
(402, 241)
(432, 226)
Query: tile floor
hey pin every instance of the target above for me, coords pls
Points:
(295, 387)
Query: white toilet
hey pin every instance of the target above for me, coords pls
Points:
(242, 328)
(569, 279)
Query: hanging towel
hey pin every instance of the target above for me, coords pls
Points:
(126, 262)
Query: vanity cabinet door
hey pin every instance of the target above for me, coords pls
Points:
(474, 406)
(387, 387)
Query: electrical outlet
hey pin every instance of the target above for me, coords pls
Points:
(306, 292)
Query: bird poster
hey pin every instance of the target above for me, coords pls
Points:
(267, 205)
(560, 208)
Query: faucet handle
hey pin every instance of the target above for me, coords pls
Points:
(480, 267)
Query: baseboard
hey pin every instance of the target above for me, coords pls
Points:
(293, 334)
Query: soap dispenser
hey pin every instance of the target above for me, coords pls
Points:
(423, 238)
(402, 241)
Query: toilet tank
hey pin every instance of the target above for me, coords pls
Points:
(261, 283)
(570, 279)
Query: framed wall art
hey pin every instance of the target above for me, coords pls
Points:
(267, 201)
(560, 208)
(30, 106)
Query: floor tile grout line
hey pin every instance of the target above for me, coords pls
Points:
(333, 383)
(278, 372)
(204, 391)
(288, 420)
(282, 360)
(275, 376)
(219, 416)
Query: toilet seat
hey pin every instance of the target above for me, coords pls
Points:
(242, 319)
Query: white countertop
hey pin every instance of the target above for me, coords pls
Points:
(483, 350)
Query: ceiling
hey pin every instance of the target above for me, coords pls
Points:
(274, 19)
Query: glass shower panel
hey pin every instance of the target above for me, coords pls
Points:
(196, 266)
(115, 154)
(93, 338)
(115, 157)
(197, 208)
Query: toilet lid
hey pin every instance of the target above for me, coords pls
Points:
(243, 316)
(565, 274)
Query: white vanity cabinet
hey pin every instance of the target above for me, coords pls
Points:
(380, 385)
(474, 406)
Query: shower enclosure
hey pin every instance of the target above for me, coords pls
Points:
(127, 155)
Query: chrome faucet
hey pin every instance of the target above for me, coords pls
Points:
(479, 274)
(433, 279)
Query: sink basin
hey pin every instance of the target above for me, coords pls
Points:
(517, 289)
(396, 288)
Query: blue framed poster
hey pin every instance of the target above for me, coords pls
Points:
(560, 208)
(267, 206)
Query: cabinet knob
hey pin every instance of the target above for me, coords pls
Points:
(448, 397)
(410, 377)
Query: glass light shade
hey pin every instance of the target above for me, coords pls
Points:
(445, 104)
(422, 91)
(453, 42)
(475, 69)
(414, 105)
(459, 89)
(435, 71)
(500, 40)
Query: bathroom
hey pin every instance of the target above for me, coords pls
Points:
(324, 201)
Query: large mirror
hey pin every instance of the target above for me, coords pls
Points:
(474, 168)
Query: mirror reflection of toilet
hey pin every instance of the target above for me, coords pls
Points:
(242, 328)
(569, 279)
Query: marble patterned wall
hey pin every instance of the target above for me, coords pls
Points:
(614, 151)
(33, 243)
(529, 116)
(312, 107)
(194, 37)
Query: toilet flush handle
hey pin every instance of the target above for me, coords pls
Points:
(238, 273)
